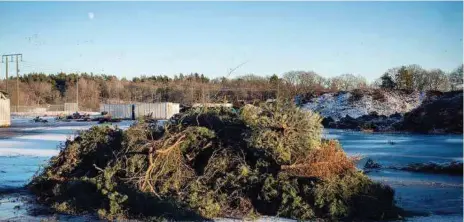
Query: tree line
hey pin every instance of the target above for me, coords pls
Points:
(414, 77)
(40, 88)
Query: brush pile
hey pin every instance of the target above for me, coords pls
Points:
(210, 163)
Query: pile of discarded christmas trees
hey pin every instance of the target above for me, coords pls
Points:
(213, 163)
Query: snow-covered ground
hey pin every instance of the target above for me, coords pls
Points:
(24, 148)
(29, 145)
(49, 113)
(338, 105)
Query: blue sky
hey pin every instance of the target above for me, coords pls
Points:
(129, 39)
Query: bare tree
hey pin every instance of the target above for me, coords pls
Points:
(456, 78)
(437, 80)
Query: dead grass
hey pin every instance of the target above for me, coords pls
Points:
(356, 95)
(379, 95)
(327, 161)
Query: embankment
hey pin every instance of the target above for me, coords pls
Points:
(381, 111)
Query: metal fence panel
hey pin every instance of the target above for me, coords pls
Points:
(55, 108)
(38, 108)
(156, 110)
(71, 107)
(173, 109)
(123, 111)
(5, 116)
(164, 110)
(211, 105)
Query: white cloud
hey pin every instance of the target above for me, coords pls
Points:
(91, 15)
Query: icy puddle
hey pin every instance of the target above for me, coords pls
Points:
(439, 195)
(27, 146)
(30, 145)
(24, 148)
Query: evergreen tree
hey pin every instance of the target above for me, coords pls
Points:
(387, 82)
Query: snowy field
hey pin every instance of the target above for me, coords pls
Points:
(26, 146)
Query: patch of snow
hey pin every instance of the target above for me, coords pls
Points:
(44, 128)
(47, 137)
(43, 141)
(330, 136)
(28, 152)
(339, 105)
(42, 113)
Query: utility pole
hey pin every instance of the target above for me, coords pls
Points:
(12, 56)
(77, 93)
(6, 73)
(17, 82)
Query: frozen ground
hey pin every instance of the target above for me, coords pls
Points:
(26, 146)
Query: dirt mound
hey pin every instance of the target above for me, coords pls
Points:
(441, 114)
(204, 164)
(438, 112)
(452, 168)
(370, 122)
(358, 103)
